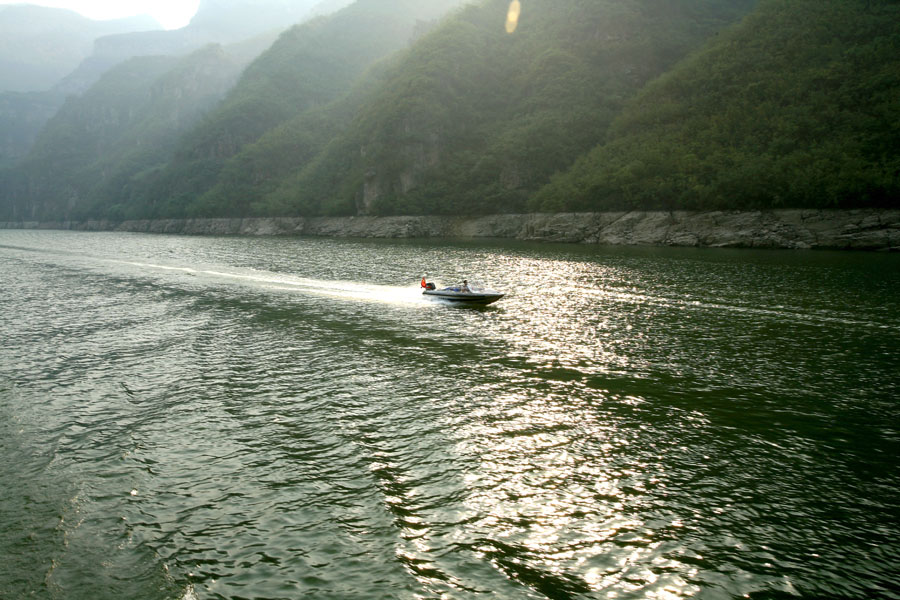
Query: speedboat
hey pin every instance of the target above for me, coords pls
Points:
(462, 294)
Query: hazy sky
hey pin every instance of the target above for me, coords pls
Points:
(171, 14)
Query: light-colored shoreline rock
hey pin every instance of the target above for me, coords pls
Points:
(862, 229)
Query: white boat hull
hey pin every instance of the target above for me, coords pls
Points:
(482, 297)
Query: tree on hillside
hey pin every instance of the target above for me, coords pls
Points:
(796, 107)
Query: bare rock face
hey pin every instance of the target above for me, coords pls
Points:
(864, 229)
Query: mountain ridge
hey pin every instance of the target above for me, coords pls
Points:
(588, 106)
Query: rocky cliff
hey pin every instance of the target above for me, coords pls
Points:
(865, 229)
(22, 115)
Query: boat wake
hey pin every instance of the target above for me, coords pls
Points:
(272, 281)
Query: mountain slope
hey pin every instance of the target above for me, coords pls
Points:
(590, 105)
(474, 120)
(38, 47)
(310, 65)
(22, 116)
(124, 125)
(64, 40)
(796, 107)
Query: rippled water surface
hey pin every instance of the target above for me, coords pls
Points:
(193, 418)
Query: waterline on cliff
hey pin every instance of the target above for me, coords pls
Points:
(861, 229)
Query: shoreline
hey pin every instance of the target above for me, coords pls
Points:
(858, 229)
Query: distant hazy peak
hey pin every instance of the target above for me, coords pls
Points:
(34, 18)
(40, 45)
(326, 7)
(250, 15)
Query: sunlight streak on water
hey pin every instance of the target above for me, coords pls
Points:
(686, 303)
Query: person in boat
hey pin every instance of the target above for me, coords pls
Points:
(465, 286)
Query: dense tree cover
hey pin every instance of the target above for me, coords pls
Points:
(589, 105)
(799, 106)
(310, 65)
(256, 171)
(474, 120)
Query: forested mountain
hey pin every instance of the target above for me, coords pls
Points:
(38, 47)
(473, 119)
(124, 125)
(797, 107)
(588, 105)
(76, 165)
(310, 66)
(232, 19)
(32, 36)
(470, 119)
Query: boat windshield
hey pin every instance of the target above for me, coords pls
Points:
(474, 287)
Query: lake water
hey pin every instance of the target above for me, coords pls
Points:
(219, 417)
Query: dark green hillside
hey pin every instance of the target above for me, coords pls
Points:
(475, 120)
(590, 105)
(310, 65)
(258, 170)
(178, 100)
(799, 106)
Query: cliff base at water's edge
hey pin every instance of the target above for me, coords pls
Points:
(863, 229)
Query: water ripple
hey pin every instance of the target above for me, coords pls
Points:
(229, 418)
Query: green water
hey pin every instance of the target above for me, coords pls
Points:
(194, 418)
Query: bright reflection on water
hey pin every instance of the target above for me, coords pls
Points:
(284, 418)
